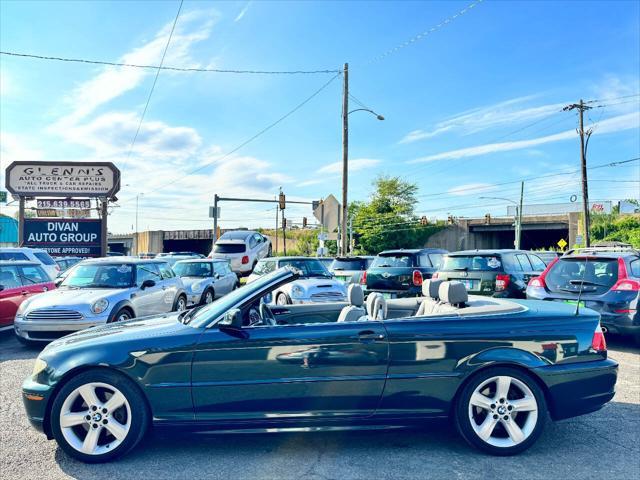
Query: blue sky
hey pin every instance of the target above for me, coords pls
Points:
(473, 104)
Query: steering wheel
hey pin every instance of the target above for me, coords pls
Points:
(267, 315)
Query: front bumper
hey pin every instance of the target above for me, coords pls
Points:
(35, 397)
(578, 388)
(47, 330)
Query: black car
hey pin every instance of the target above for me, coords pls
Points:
(547, 256)
(400, 273)
(499, 273)
(605, 279)
(497, 367)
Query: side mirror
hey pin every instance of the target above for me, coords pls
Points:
(216, 276)
(232, 319)
(147, 284)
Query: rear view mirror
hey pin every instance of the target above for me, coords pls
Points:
(232, 319)
(147, 284)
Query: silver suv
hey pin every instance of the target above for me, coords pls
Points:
(100, 291)
(243, 249)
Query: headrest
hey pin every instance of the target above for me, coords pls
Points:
(430, 288)
(379, 308)
(370, 299)
(453, 293)
(355, 295)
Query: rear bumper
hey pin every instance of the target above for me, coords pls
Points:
(622, 324)
(578, 388)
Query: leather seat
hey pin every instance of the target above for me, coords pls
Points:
(353, 312)
(379, 308)
(453, 296)
(431, 296)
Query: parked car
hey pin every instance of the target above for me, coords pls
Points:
(314, 285)
(547, 257)
(326, 261)
(205, 280)
(243, 249)
(65, 263)
(172, 258)
(32, 255)
(350, 269)
(499, 273)
(19, 281)
(115, 254)
(98, 291)
(400, 273)
(605, 279)
(507, 367)
(146, 255)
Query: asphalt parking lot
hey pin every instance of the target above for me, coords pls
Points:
(603, 445)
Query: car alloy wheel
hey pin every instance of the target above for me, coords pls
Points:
(208, 297)
(181, 304)
(123, 316)
(282, 299)
(95, 418)
(503, 411)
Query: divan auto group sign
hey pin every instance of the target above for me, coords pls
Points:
(63, 179)
(60, 237)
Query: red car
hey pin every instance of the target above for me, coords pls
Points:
(18, 281)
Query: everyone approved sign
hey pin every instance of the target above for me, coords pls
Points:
(60, 237)
(63, 179)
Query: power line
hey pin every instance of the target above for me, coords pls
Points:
(426, 33)
(174, 69)
(155, 80)
(249, 140)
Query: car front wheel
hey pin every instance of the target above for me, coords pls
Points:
(207, 298)
(282, 299)
(181, 304)
(98, 415)
(501, 411)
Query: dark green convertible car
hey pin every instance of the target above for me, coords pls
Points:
(498, 368)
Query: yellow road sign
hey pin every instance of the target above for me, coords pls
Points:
(562, 243)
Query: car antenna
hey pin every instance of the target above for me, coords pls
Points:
(584, 274)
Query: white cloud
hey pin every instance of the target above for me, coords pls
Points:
(475, 120)
(242, 12)
(471, 188)
(615, 124)
(14, 148)
(354, 165)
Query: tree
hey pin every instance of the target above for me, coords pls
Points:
(388, 220)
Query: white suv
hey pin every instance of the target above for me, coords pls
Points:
(243, 249)
(32, 255)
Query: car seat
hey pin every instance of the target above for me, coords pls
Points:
(353, 311)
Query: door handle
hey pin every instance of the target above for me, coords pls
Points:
(280, 311)
(368, 336)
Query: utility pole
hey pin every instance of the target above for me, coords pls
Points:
(284, 234)
(350, 235)
(277, 208)
(215, 220)
(345, 156)
(581, 107)
(519, 213)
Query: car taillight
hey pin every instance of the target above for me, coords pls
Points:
(624, 283)
(417, 278)
(598, 343)
(363, 278)
(502, 282)
(540, 280)
(245, 259)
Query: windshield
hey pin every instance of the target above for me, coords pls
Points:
(350, 264)
(116, 275)
(192, 269)
(401, 260)
(229, 248)
(472, 263)
(201, 317)
(577, 274)
(44, 258)
(308, 267)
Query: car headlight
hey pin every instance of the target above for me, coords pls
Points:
(38, 366)
(297, 291)
(22, 308)
(100, 306)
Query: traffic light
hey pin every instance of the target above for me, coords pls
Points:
(282, 201)
(487, 218)
(304, 222)
(424, 220)
(284, 223)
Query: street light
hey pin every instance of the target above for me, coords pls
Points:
(345, 154)
(517, 217)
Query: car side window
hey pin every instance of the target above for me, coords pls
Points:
(259, 238)
(252, 242)
(166, 271)
(523, 260)
(31, 274)
(219, 268)
(537, 263)
(147, 271)
(423, 260)
(635, 268)
(13, 256)
(9, 277)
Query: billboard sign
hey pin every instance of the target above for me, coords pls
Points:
(63, 179)
(60, 237)
(629, 207)
(561, 208)
(63, 203)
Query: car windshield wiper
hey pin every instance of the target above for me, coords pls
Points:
(103, 285)
(461, 269)
(586, 282)
(186, 316)
(384, 266)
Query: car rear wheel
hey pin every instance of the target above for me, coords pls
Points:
(501, 411)
(98, 415)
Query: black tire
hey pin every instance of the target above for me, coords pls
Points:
(175, 306)
(283, 299)
(463, 421)
(122, 315)
(139, 414)
(203, 300)
(270, 251)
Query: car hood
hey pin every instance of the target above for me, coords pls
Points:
(314, 283)
(139, 329)
(69, 297)
(188, 282)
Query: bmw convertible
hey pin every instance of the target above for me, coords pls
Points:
(499, 369)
